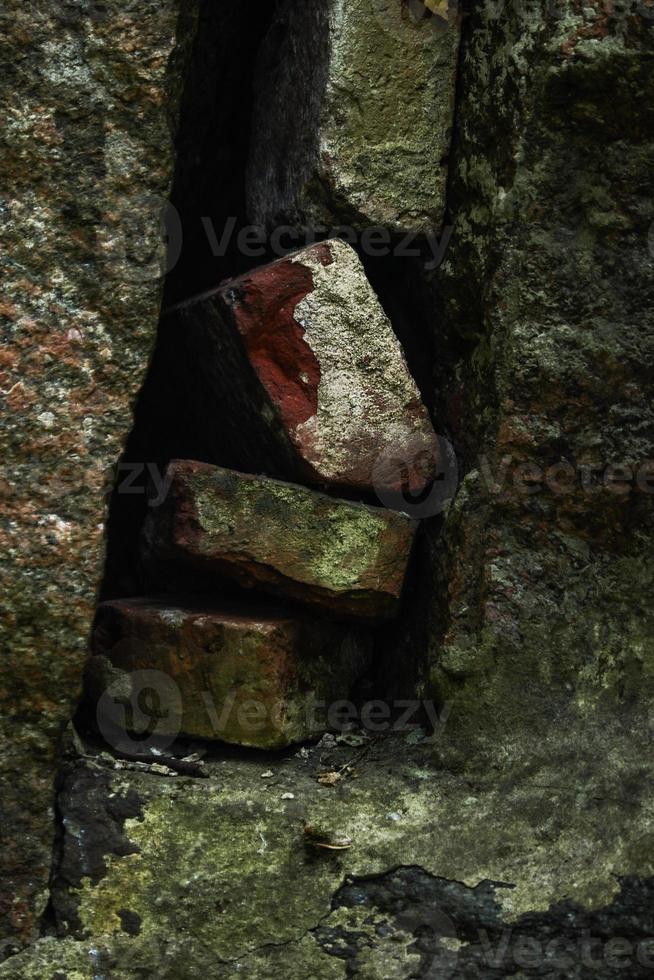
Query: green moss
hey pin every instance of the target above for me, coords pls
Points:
(389, 164)
(329, 542)
(222, 875)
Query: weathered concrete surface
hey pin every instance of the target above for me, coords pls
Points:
(549, 287)
(88, 95)
(281, 538)
(261, 678)
(188, 878)
(354, 114)
(300, 364)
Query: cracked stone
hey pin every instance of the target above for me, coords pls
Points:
(185, 857)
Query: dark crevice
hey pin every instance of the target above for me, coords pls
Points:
(213, 145)
(402, 645)
(410, 292)
(402, 285)
(212, 150)
(461, 292)
(451, 344)
(48, 922)
(465, 350)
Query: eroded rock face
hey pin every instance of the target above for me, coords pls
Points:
(355, 105)
(281, 538)
(297, 365)
(257, 677)
(89, 93)
(547, 552)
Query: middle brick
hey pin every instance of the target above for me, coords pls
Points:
(282, 538)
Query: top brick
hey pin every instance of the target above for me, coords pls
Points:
(300, 362)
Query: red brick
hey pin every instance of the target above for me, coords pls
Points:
(250, 677)
(282, 538)
(298, 366)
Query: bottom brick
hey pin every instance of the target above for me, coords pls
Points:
(265, 679)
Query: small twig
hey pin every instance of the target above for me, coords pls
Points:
(182, 766)
(360, 756)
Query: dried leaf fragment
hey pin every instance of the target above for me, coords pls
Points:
(329, 778)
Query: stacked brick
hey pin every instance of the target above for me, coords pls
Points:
(279, 580)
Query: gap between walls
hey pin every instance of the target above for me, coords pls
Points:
(212, 149)
(212, 154)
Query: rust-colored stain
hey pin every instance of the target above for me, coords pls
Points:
(263, 304)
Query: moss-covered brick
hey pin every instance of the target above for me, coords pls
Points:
(282, 538)
(262, 678)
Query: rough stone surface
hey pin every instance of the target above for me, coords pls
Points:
(88, 94)
(174, 877)
(257, 678)
(300, 363)
(281, 538)
(548, 289)
(354, 114)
